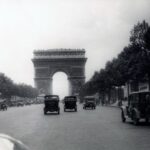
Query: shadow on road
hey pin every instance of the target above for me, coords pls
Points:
(52, 114)
(140, 124)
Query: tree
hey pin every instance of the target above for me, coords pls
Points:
(147, 39)
(138, 34)
(135, 55)
(132, 63)
(8, 88)
(24, 90)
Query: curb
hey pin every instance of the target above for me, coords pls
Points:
(112, 106)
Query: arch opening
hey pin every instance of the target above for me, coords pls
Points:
(60, 84)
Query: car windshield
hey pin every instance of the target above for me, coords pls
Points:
(70, 98)
(139, 97)
(145, 98)
(90, 99)
(51, 97)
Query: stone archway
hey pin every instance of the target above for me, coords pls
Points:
(60, 84)
(48, 62)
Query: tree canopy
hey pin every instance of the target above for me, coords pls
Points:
(132, 63)
(8, 88)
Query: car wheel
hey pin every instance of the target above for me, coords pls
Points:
(123, 117)
(147, 120)
(135, 120)
(45, 113)
(58, 112)
(64, 109)
(76, 109)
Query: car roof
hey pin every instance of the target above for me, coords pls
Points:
(70, 96)
(140, 92)
(89, 97)
(51, 96)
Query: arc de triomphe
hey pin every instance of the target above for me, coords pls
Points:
(48, 62)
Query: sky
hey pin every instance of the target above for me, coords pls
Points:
(101, 27)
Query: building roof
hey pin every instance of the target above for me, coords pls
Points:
(58, 50)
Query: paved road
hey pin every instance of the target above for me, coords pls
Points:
(99, 129)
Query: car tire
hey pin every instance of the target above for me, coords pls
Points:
(123, 117)
(135, 120)
(76, 109)
(64, 109)
(147, 120)
(45, 113)
(58, 111)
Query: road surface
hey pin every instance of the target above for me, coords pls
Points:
(99, 129)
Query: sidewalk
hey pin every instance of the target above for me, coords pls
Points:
(113, 105)
(124, 103)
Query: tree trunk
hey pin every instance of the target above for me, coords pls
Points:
(128, 91)
(109, 95)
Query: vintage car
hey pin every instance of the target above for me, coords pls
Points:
(138, 107)
(3, 106)
(28, 103)
(20, 103)
(51, 103)
(89, 102)
(70, 103)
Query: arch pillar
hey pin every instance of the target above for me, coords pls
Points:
(44, 85)
(75, 84)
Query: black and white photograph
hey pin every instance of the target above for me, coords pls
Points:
(74, 75)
